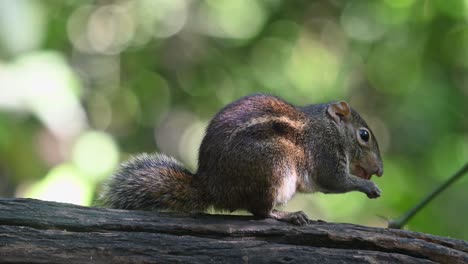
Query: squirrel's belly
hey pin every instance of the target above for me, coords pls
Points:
(287, 188)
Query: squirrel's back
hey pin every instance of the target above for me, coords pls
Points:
(249, 120)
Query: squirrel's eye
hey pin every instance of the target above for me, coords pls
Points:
(364, 134)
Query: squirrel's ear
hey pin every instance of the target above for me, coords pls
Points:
(339, 111)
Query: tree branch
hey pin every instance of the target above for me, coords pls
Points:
(33, 231)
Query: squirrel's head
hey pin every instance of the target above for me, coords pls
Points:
(360, 143)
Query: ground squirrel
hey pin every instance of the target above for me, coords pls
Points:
(257, 153)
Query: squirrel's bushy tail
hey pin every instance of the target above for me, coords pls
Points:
(153, 182)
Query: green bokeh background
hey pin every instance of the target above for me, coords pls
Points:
(86, 84)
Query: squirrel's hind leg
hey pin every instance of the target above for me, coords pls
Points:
(297, 218)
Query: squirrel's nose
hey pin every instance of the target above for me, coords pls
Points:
(379, 171)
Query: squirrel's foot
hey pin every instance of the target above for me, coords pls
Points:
(296, 218)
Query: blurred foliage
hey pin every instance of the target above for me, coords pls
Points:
(85, 84)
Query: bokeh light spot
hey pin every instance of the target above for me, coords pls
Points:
(268, 60)
(162, 18)
(43, 83)
(402, 59)
(22, 25)
(154, 97)
(110, 29)
(96, 154)
(239, 19)
(313, 69)
(171, 129)
(190, 142)
(76, 28)
(64, 183)
(359, 22)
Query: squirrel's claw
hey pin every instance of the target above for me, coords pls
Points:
(373, 191)
(296, 218)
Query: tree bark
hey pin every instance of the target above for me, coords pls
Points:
(33, 231)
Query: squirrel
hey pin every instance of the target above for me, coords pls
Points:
(257, 152)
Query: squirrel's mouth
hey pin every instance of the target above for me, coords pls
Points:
(362, 173)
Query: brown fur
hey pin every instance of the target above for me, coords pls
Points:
(257, 153)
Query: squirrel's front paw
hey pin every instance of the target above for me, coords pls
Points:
(372, 190)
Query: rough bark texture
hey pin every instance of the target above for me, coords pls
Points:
(33, 231)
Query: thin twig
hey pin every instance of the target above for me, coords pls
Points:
(400, 222)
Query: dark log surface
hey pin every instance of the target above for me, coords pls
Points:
(33, 231)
